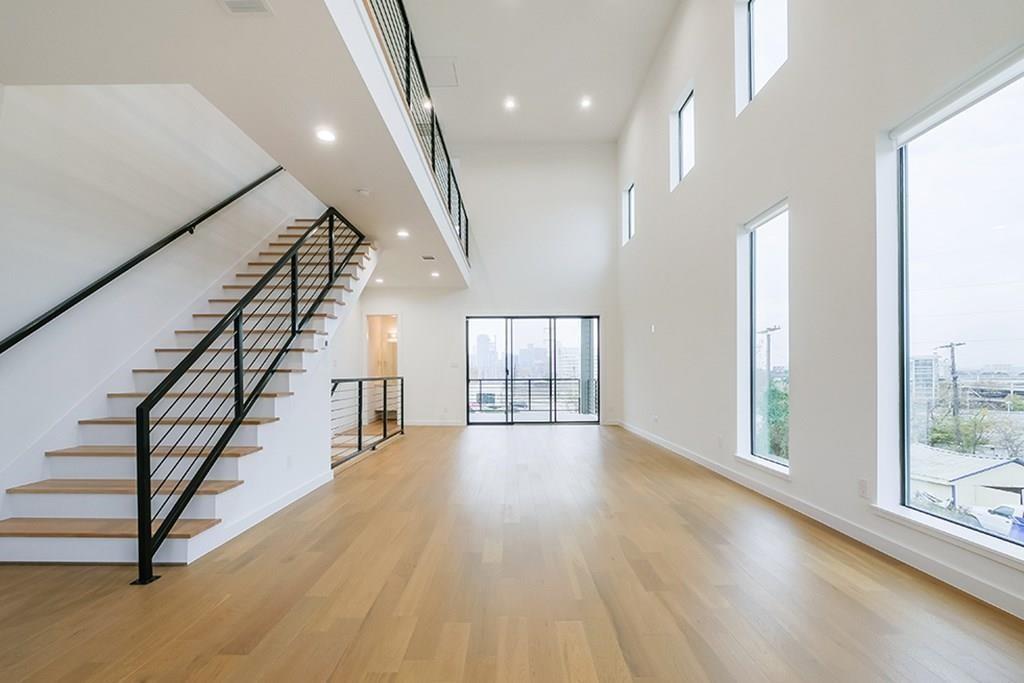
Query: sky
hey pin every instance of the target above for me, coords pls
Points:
(966, 233)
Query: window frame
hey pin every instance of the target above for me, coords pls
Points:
(629, 213)
(678, 139)
(990, 81)
(751, 228)
(745, 61)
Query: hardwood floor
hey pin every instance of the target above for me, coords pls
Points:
(508, 554)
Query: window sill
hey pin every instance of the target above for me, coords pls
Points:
(989, 547)
(780, 471)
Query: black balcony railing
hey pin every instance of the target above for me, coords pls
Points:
(187, 422)
(400, 46)
(566, 394)
(365, 412)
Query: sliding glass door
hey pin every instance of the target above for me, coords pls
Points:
(532, 369)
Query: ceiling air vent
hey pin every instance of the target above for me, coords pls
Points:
(247, 6)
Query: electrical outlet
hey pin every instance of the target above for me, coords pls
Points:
(655, 419)
(862, 488)
(652, 328)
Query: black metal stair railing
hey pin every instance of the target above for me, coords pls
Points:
(185, 424)
(365, 412)
(396, 37)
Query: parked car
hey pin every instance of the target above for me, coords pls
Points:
(999, 519)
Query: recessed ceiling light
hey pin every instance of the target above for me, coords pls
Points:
(379, 281)
(362, 192)
(586, 102)
(435, 274)
(510, 103)
(325, 135)
(427, 104)
(403, 234)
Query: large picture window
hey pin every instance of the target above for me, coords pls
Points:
(769, 338)
(963, 315)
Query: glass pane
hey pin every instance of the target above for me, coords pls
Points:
(687, 137)
(531, 370)
(576, 368)
(769, 40)
(487, 395)
(965, 315)
(770, 353)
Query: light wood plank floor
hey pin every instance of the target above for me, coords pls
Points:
(528, 553)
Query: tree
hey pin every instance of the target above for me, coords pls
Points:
(1008, 438)
(778, 421)
(973, 432)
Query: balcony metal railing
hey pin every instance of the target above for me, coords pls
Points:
(365, 412)
(400, 46)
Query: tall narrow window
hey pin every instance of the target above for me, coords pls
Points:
(767, 41)
(769, 338)
(683, 139)
(629, 212)
(963, 316)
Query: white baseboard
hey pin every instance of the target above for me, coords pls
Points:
(982, 590)
(435, 423)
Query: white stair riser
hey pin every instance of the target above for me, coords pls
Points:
(147, 381)
(293, 359)
(306, 339)
(208, 323)
(124, 435)
(102, 505)
(264, 407)
(108, 467)
(88, 550)
(325, 307)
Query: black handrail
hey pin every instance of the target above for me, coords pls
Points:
(392, 22)
(103, 281)
(314, 271)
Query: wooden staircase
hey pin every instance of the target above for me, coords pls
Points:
(88, 502)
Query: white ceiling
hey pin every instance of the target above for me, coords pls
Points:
(278, 77)
(546, 53)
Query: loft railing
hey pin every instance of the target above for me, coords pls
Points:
(96, 285)
(396, 36)
(365, 412)
(185, 424)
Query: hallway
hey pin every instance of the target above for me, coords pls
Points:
(531, 553)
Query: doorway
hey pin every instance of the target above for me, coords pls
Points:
(532, 369)
(382, 345)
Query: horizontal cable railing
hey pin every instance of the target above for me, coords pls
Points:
(365, 412)
(110, 276)
(567, 394)
(400, 46)
(188, 421)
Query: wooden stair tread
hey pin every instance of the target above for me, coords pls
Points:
(279, 300)
(166, 371)
(195, 394)
(247, 287)
(86, 527)
(258, 349)
(264, 315)
(252, 330)
(118, 486)
(357, 260)
(172, 420)
(129, 452)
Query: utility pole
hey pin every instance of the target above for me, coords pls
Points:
(768, 332)
(955, 378)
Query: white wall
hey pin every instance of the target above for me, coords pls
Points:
(814, 134)
(544, 241)
(89, 175)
